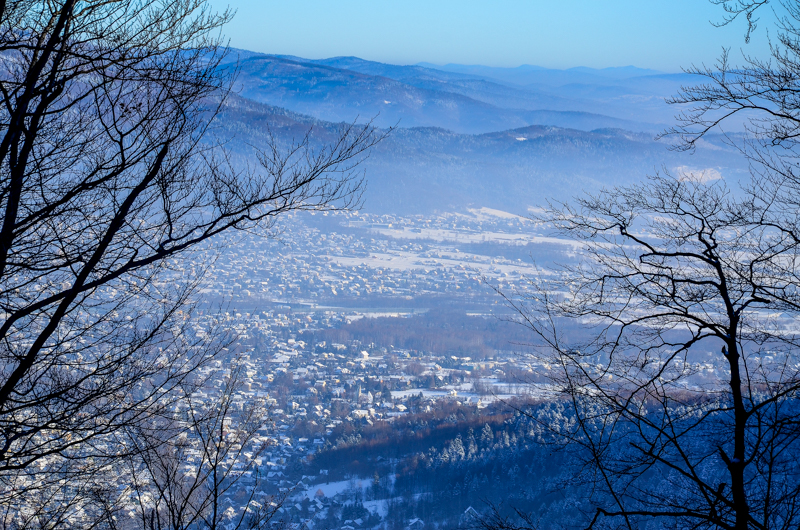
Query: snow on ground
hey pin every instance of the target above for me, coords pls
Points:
(408, 261)
(500, 391)
(381, 506)
(331, 489)
(488, 213)
(474, 236)
(400, 394)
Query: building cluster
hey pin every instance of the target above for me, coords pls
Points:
(307, 389)
(288, 395)
(364, 259)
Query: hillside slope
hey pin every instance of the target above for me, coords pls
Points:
(420, 170)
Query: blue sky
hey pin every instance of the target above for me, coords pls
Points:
(659, 34)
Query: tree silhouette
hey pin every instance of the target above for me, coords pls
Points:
(684, 394)
(112, 190)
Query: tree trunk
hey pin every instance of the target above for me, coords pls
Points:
(736, 464)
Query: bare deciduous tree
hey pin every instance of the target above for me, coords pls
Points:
(684, 393)
(684, 389)
(187, 465)
(111, 190)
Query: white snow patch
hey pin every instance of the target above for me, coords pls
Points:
(331, 489)
(484, 212)
(381, 507)
(688, 174)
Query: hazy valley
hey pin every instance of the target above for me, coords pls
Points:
(245, 291)
(380, 336)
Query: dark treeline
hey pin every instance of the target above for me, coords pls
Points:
(362, 445)
(502, 461)
(434, 465)
(437, 331)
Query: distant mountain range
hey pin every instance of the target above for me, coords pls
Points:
(506, 138)
(527, 75)
(424, 169)
(464, 99)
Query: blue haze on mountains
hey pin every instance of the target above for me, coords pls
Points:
(471, 135)
(376, 331)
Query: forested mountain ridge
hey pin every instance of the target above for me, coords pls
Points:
(421, 169)
(437, 464)
(343, 88)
